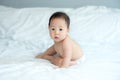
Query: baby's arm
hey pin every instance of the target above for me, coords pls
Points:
(67, 54)
(48, 54)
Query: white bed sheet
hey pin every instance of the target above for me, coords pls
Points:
(43, 70)
(96, 28)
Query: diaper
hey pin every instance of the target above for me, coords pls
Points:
(81, 60)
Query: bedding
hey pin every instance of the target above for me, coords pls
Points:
(24, 34)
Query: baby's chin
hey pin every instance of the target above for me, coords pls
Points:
(58, 40)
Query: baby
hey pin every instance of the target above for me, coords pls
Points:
(67, 49)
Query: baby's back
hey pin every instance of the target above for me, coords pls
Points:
(76, 50)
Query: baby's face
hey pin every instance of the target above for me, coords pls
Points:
(58, 29)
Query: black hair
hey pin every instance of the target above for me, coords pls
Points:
(60, 15)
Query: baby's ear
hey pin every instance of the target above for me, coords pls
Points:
(68, 29)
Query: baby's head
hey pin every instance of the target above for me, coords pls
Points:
(61, 15)
(59, 26)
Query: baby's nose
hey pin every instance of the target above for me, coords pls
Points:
(56, 32)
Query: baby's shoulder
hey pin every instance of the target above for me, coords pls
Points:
(67, 42)
(72, 42)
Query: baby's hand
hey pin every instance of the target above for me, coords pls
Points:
(41, 55)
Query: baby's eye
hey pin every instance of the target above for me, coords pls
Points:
(60, 29)
(53, 29)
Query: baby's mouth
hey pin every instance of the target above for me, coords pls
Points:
(56, 37)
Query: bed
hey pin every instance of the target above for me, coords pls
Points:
(24, 34)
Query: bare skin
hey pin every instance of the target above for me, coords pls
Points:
(68, 50)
